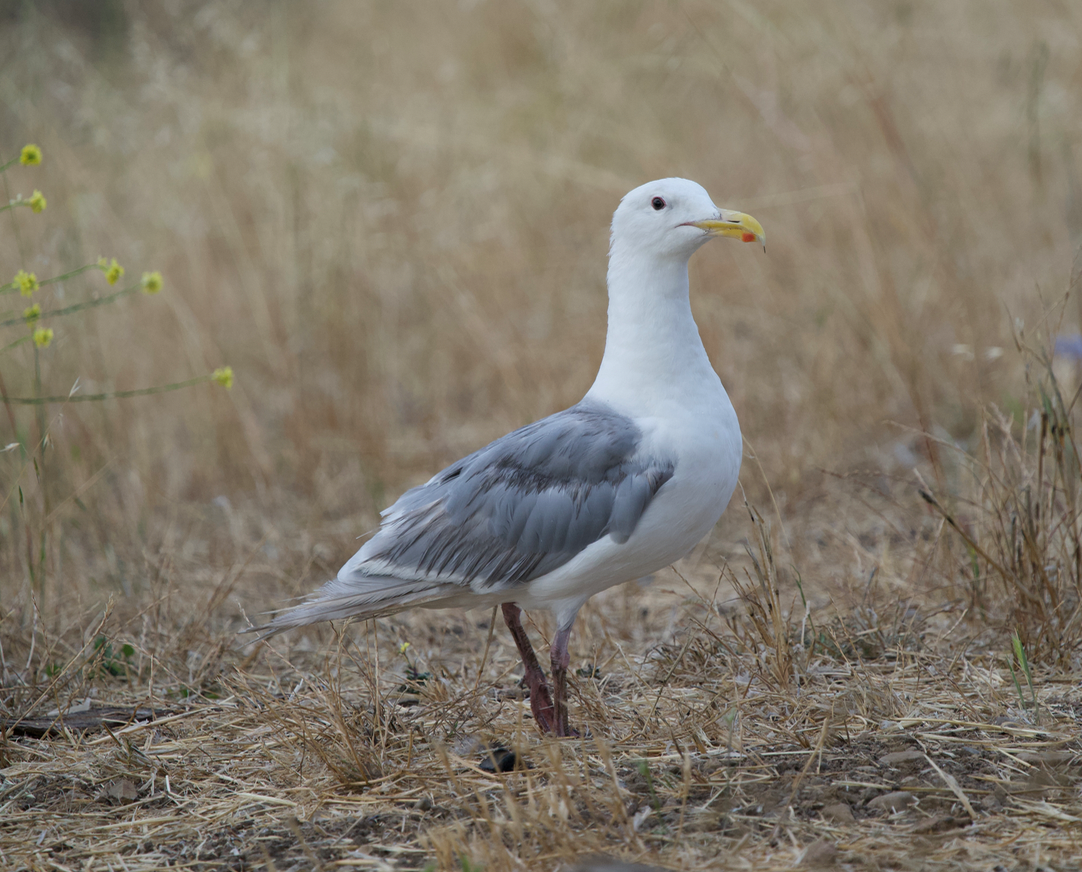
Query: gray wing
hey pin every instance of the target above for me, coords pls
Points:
(515, 510)
(521, 506)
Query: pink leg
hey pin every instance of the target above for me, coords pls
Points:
(560, 660)
(540, 701)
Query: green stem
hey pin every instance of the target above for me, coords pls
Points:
(15, 204)
(112, 395)
(17, 342)
(14, 223)
(11, 286)
(78, 307)
(42, 441)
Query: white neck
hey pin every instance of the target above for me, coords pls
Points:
(652, 345)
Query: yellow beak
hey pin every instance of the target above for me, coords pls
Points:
(736, 225)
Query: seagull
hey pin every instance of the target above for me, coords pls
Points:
(620, 485)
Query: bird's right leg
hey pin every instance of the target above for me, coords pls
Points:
(540, 699)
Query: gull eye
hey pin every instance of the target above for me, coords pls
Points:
(658, 204)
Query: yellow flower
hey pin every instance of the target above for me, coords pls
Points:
(27, 282)
(224, 376)
(113, 271)
(32, 313)
(31, 156)
(403, 648)
(36, 201)
(152, 282)
(43, 336)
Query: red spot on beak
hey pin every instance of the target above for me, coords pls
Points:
(747, 237)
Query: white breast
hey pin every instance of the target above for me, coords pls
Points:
(701, 433)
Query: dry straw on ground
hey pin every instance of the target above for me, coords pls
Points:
(391, 220)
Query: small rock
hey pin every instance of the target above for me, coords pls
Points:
(639, 818)
(898, 800)
(838, 813)
(118, 790)
(466, 745)
(500, 759)
(900, 757)
(821, 853)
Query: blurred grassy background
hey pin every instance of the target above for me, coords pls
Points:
(391, 219)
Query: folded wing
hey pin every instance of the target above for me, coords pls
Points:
(511, 512)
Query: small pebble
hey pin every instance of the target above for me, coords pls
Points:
(821, 853)
(900, 757)
(500, 759)
(838, 813)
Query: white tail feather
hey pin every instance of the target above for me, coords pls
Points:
(359, 598)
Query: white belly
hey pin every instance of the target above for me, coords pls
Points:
(707, 446)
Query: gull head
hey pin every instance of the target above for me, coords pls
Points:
(673, 217)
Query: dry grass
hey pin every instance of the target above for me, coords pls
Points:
(391, 220)
(703, 753)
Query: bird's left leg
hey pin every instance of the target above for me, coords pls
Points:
(560, 660)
